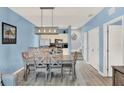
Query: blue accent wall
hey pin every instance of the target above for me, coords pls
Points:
(98, 21)
(69, 39)
(10, 54)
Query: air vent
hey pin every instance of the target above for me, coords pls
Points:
(90, 15)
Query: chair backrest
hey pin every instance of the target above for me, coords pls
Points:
(39, 63)
(36, 52)
(25, 55)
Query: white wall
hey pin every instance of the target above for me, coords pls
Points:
(84, 40)
(93, 47)
(76, 44)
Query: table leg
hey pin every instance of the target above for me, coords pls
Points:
(113, 77)
(61, 73)
(73, 72)
(25, 73)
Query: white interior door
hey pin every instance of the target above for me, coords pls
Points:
(115, 47)
(94, 48)
(85, 46)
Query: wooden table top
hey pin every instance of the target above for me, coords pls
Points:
(46, 56)
(64, 58)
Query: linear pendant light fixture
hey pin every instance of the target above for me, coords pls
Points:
(46, 30)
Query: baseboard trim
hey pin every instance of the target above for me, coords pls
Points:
(18, 71)
(102, 74)
(87, 62)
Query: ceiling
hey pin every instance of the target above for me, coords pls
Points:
(63, 16)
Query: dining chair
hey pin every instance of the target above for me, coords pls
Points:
(55, 65)
(28, 61)
(40, 67)
(70, 67)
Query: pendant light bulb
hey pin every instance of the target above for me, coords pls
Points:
(49, 30)
(54, 30)
(39, 31)
(44, 30)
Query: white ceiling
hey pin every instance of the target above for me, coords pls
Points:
(63, 16)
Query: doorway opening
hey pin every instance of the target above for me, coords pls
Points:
(113, 45)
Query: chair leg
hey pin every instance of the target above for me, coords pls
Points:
(70, 71)
(47, 73)
(25, 75)
(62, 74)
(75, 75)
(28, 69)
(50, 75)
(36, 74)
(46, 76)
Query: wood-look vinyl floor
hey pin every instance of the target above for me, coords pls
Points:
(86, 76)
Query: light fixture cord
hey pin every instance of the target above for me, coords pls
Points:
(41, 17)
(52, 17)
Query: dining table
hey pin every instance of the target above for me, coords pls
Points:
(62, 59)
